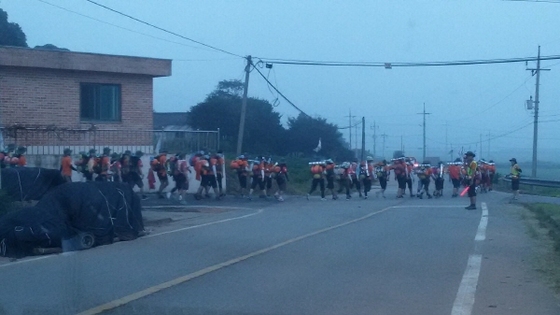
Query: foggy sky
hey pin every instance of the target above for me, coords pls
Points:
(465, 102)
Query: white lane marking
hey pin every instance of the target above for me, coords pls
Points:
(18, 262)
(203, 225)
(165, 285)
(465, 295)
(464, 301)
(481, 232)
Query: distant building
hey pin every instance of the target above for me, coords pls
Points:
(171, 121)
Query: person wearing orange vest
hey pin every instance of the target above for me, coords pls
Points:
(491, 174)
(91, 165)
(366, 175)
(115, 168)
(382, 172)
(409, 170)
(470, 169)
(317, 171)
(219, 164)
(240, 166)
(268, 173)
(181, 177)
(330, 176)
(22, 161)
(257, 169)
(66, 166)
(2, 156)
(437, 175)
(355, 182)
(102, 166)
(455, 176)
(399, 168)
(158, 166)
(424, 175)
(281, 176)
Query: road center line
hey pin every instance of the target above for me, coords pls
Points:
(165, 285)
(464, 300)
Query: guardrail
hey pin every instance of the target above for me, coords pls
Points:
(536, 182)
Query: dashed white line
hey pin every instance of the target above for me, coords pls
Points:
(165, 285)
(464, 300)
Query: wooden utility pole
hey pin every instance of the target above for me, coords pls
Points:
(243, 106)
(363, 138)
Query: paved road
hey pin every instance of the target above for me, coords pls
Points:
(375, 256)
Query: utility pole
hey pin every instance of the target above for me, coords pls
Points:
(350, 127)
(402, 147)
(243, 106)
(480, 153)
(424, 132)
(374, 127)
(536, 72)
(363, 138)
(384, 136)
(489, 135)
(356, 127)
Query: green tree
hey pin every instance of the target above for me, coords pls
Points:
(11, 33)
(304, 133)
(222, 109)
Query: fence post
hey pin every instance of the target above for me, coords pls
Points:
(218, 139)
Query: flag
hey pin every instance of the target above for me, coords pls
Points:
(318, 148)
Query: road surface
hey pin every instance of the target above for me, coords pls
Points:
(374, 256)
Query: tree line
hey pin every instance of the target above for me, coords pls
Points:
(264, 133)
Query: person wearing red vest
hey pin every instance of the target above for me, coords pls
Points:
(317, 171)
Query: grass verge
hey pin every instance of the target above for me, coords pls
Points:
(543, 224)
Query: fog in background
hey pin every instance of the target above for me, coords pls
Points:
(467, 103)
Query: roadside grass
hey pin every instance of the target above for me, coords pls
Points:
(543, 225)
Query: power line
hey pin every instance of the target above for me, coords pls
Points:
(277, 91)
(389, 65)
(115, 25)
(163, 29)
(546, 1)
(495, 104)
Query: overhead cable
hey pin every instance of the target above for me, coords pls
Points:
(163, 29)
(389, 65)
(279, 93)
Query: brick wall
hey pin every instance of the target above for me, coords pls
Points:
(36, 97)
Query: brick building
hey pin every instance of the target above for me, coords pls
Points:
(57, 99)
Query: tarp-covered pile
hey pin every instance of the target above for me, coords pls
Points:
(29, 183)
(70, 213)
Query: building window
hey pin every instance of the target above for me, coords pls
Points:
(100, 102)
